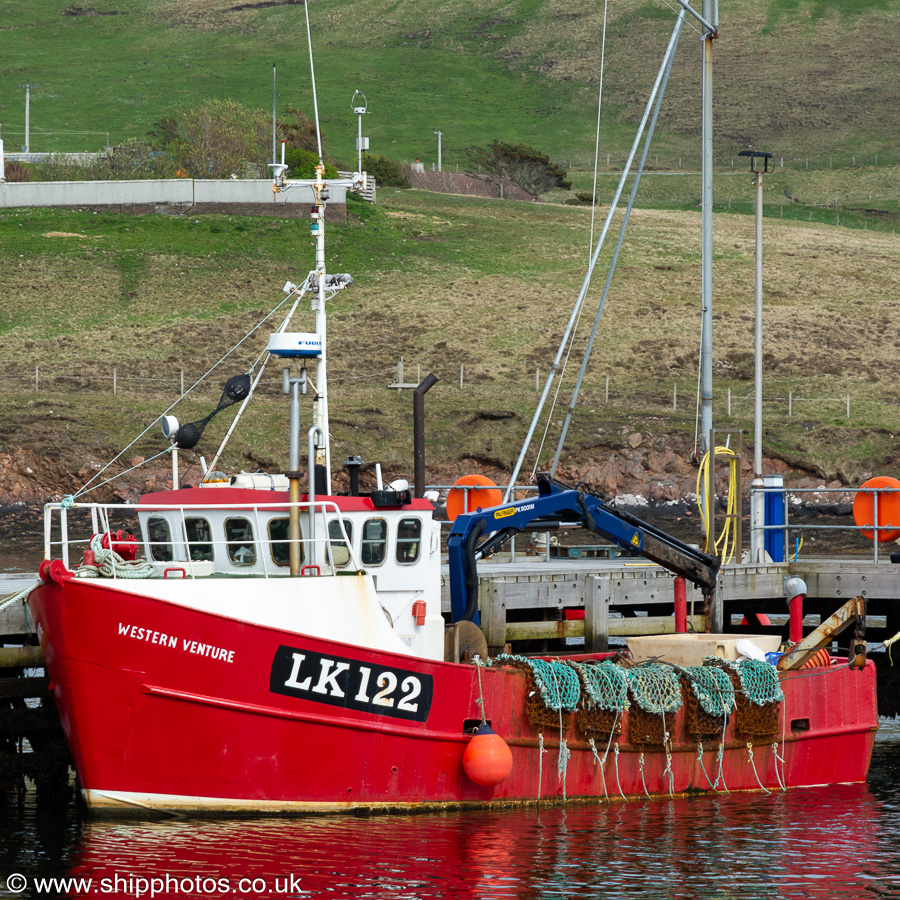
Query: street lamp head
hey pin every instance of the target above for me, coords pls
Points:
(757, 154)
(358, 107)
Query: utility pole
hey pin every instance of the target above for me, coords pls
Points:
(28, 87)
(439, 133)
(274, 158)
(757, 510)
(710, 10)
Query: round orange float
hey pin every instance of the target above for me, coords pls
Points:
(888, 508)
(460, 501)
(487, 759)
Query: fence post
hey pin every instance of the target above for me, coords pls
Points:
(729, 401)
(848, 407)
(182, 382)
(537, 380)
(400, 371)
(790, 404)
(606, 395)
(674, 395)
(37, 379)
(460, 376)
(115, 377)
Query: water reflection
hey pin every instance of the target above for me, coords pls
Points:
(838, 842)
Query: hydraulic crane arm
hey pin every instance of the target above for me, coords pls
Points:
(556, 505)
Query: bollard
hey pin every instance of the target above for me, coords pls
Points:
(680, 605)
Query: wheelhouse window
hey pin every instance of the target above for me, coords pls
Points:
(409, 541)
(198, 535)
(340, 552)
(159, 536)
(279, 542)
(373, 547)
(239, 542)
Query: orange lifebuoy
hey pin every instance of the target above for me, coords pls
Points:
(460, 501)
(888, 508)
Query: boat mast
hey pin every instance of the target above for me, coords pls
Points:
(323, 450)
(711, 15)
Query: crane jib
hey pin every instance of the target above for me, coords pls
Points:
(557, 505)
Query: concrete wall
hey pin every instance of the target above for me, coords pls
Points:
(176, 195)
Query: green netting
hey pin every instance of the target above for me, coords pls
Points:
(759, 680)
(655, 688)
(713, 689)
(556, 681)
(606, 684)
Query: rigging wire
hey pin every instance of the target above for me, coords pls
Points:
(540, 449)
(86, 486)
(312, 72)
(597, 141)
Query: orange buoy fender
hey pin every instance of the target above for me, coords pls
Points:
(463, 501)
(487, 760)
(888, 508)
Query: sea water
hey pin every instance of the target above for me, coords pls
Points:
(828, 843)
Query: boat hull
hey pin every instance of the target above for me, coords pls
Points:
(168, 707)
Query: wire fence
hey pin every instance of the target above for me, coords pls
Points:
(839, 402)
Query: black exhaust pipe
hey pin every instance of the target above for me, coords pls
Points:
(419, 432)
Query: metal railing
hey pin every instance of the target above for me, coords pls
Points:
(100, 523)
(789, 494)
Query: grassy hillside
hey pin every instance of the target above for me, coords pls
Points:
(800, 77)
(444, 281)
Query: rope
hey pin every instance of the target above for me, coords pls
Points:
(777, 759)
(752, 763)
(601, 763)
(562, 761)
(541, 752)
(667, 744)
(887, 645)
(22, 595)
(726, 544)
(703, 767)
(721, 758)
(597, 141)
(618, 783)
(480, 700)
(199, 381)
(110, 565)
(644, 783)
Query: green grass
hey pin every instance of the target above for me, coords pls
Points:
(445, 282)
(521, 71)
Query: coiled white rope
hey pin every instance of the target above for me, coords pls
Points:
(108, 564)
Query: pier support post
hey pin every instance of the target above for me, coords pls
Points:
(680, 605)
(596, 614)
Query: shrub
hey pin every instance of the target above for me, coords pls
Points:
(302, 163)
(386, 172)
(16, 171)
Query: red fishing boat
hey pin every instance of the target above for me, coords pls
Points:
(266, 645)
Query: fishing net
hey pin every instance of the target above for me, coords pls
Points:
(554, 689)
(758, 694)
(655, 691)
(709, 697)
(604, 697)
(236, 389)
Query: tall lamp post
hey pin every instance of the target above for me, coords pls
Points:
(757, 510)
(439, 134)
(361, 142)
